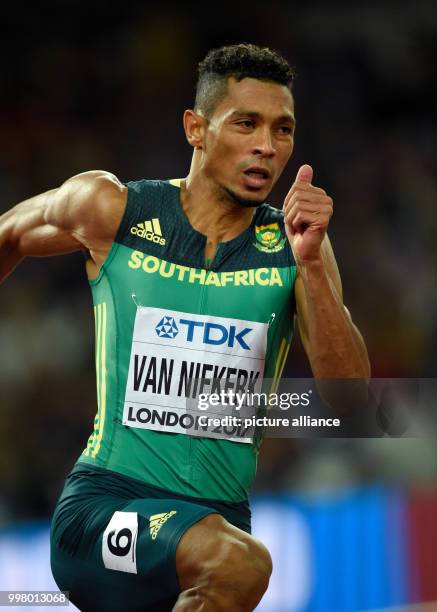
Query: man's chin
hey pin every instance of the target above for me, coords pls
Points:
(246, 198)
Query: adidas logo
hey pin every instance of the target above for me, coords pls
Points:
(150, 230)
(157, 521)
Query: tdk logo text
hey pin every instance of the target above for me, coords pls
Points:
(210, 333)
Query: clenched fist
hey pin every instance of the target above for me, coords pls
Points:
(307, 211)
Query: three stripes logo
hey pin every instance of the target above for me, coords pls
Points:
(157, 521)
(149, 230)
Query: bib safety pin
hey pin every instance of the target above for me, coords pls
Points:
(134, 299)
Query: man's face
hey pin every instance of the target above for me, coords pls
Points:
(249, 139)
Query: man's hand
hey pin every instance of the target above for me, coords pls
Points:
(307, 211)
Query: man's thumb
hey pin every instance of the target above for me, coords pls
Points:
(305, 174)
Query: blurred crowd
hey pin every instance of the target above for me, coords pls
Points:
(104, 86)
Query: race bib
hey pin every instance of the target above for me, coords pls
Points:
(180, 362)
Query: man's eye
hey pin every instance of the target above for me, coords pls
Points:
(285, 129)
(245, 123)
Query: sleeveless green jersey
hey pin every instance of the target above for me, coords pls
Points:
(169, 327)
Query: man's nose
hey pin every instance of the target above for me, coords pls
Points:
(263, 143)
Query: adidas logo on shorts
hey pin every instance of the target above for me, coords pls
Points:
(149, 230)
(157, 521)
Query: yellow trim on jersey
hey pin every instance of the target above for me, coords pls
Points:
(175, 182)
(98, 332)
(284, 359)
(102, 386)
(281, 350)
(95, 438)
(280, 363)
(92, 436)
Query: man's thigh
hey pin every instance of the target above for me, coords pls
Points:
(221, 567)
(127, 558)
(213, 547)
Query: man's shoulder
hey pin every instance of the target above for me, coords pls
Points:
(94, 182)
(88, 197)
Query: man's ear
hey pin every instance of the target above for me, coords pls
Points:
(194, 126)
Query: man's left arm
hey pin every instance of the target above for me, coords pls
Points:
(334, 346)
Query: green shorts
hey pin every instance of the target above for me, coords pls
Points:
(114, 539)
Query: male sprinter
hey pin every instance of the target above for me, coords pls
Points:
(192, 279)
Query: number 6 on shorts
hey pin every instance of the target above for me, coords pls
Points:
(119, 542)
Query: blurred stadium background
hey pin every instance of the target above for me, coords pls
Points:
(351, 523)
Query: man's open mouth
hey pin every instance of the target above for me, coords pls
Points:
(257, 171)
(256, 177)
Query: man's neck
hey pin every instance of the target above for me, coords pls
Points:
(211, 213)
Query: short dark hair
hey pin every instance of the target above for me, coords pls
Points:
(238, 61)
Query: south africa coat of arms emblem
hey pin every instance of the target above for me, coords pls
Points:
(268, 238)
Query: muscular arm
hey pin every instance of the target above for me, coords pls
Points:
(83, 213)
(334, 346)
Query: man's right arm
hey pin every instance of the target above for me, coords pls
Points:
(83, 213)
